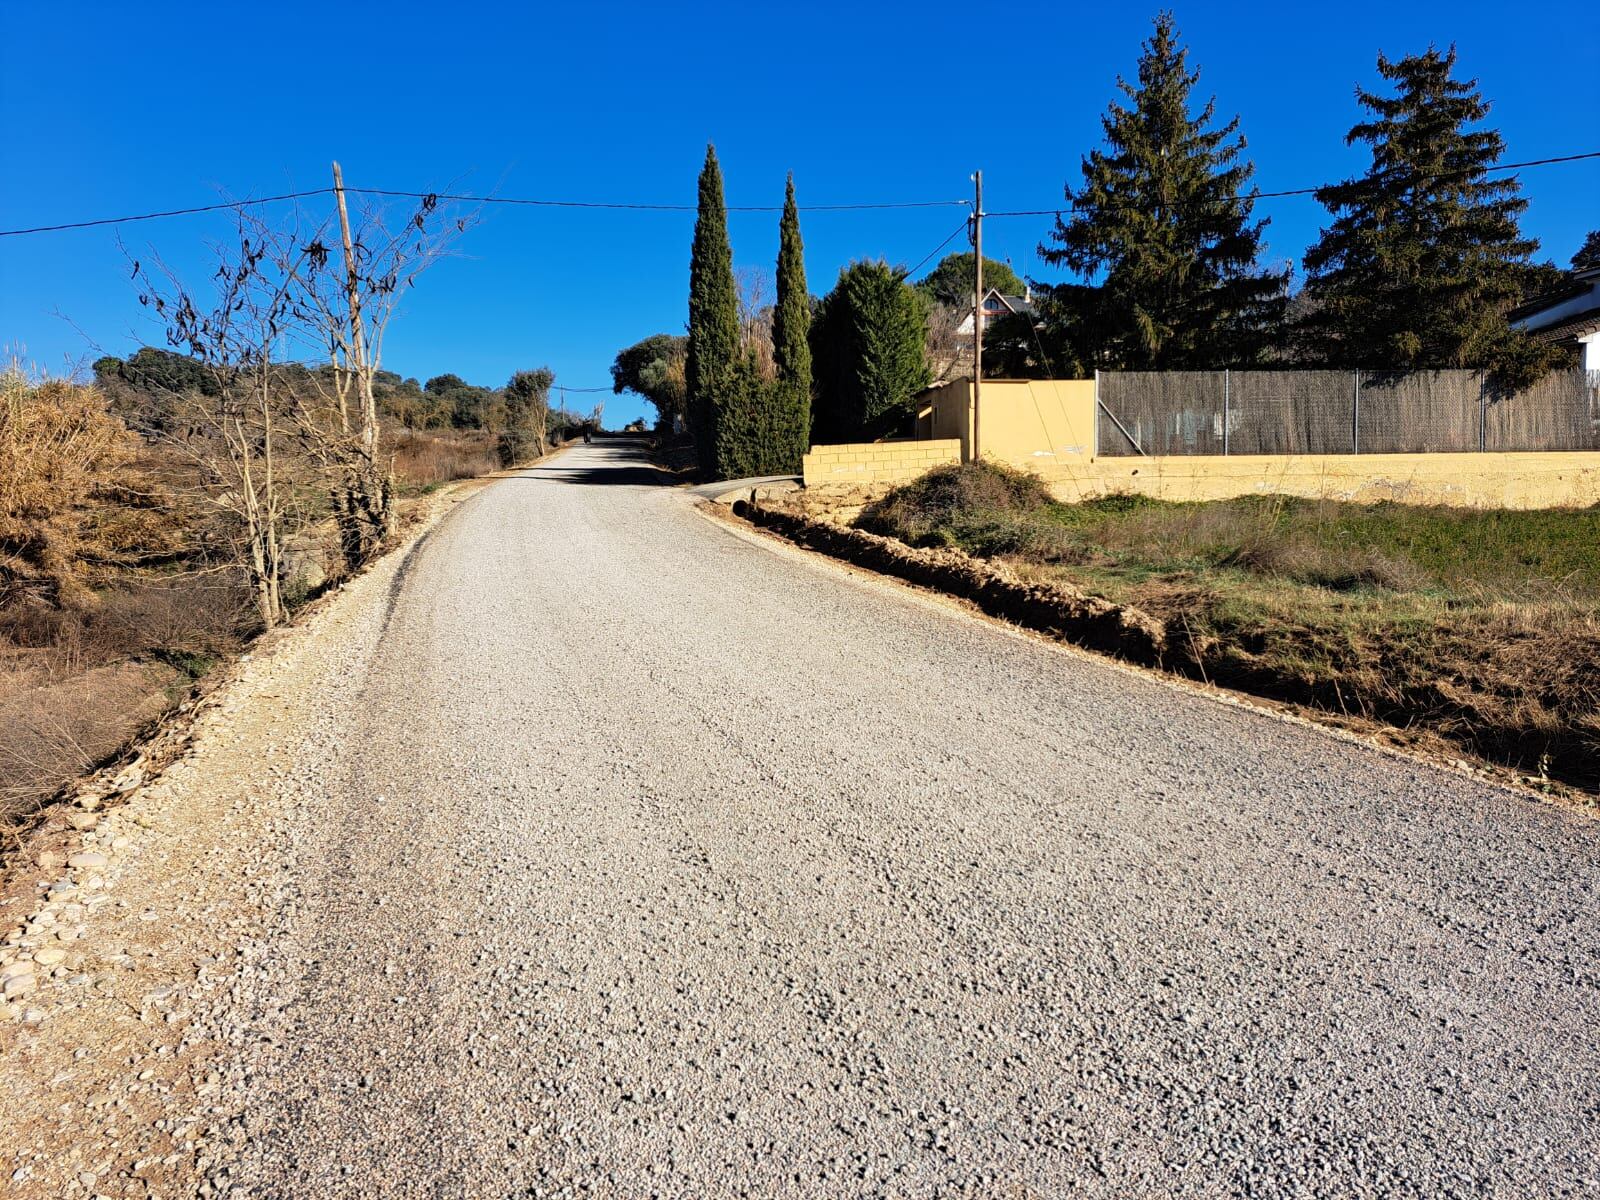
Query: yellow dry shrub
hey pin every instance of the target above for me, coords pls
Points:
(59, 448)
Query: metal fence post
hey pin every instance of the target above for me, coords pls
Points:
(1483, 415)
(1227, 382)
(1097, 412)
(1355, 417)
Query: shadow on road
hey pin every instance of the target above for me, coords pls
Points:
(623, 465)
(641, 476)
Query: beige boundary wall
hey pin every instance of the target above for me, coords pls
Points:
(865, 464)
(1532, 479)
(1048, 428)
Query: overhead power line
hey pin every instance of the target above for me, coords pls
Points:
(926, 258)
(1252, 197)
(236, 205)
(171, 212)
(470, 199)
(685, 208)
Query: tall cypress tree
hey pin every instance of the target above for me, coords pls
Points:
(1163, 216)
(713, 312)
(746, 421)
(791, 347)
(1424, 254)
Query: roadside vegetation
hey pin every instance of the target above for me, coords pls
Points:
(125, 570)
(196, 494)
(1481, 627)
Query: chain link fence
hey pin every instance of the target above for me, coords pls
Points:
(1340, 412)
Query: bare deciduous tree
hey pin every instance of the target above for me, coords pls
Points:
(949, 354)
(345, 309)
(230, 431)
(755, 317)
(282, 296)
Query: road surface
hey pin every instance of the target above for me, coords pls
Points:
(617, 854)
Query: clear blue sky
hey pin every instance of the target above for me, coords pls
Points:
(121, 108)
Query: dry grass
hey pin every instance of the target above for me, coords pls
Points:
(424, 460)
(59, 450)
(109, 598)
(77, 683)
(56, 730)
(118, 579)
(1482, 627)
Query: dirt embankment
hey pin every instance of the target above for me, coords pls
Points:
(1074, 615)
(1457, 703)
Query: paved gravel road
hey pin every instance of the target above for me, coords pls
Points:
(671, 865)
(625, 856)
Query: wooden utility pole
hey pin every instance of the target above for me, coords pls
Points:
(368, 427)
(977, 305)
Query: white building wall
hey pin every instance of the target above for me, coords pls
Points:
(1557, 313)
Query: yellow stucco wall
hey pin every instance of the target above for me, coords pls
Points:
(864, 463)
(1048, 427)
(1041, 425)
(1544, 479)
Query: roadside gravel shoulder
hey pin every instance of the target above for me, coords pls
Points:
(115, 1046)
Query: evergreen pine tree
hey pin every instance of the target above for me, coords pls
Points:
(1162, 215)
(1588, 256)
(952, 278)
(713, 312)
(831, 370)
(1424, 254)
(791, 348)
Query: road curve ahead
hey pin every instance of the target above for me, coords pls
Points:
(652, 861)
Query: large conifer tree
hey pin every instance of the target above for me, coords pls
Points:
(791, 347)
(1588, 256)
(713, 312)
(1162, 220)
(869, 341)
(763, 420)
(1424, 254)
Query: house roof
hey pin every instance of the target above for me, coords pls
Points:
(1575, 326)
(1017, 304)
(1022, 306)
(1579, 283)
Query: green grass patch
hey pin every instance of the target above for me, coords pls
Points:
(1479, 624)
